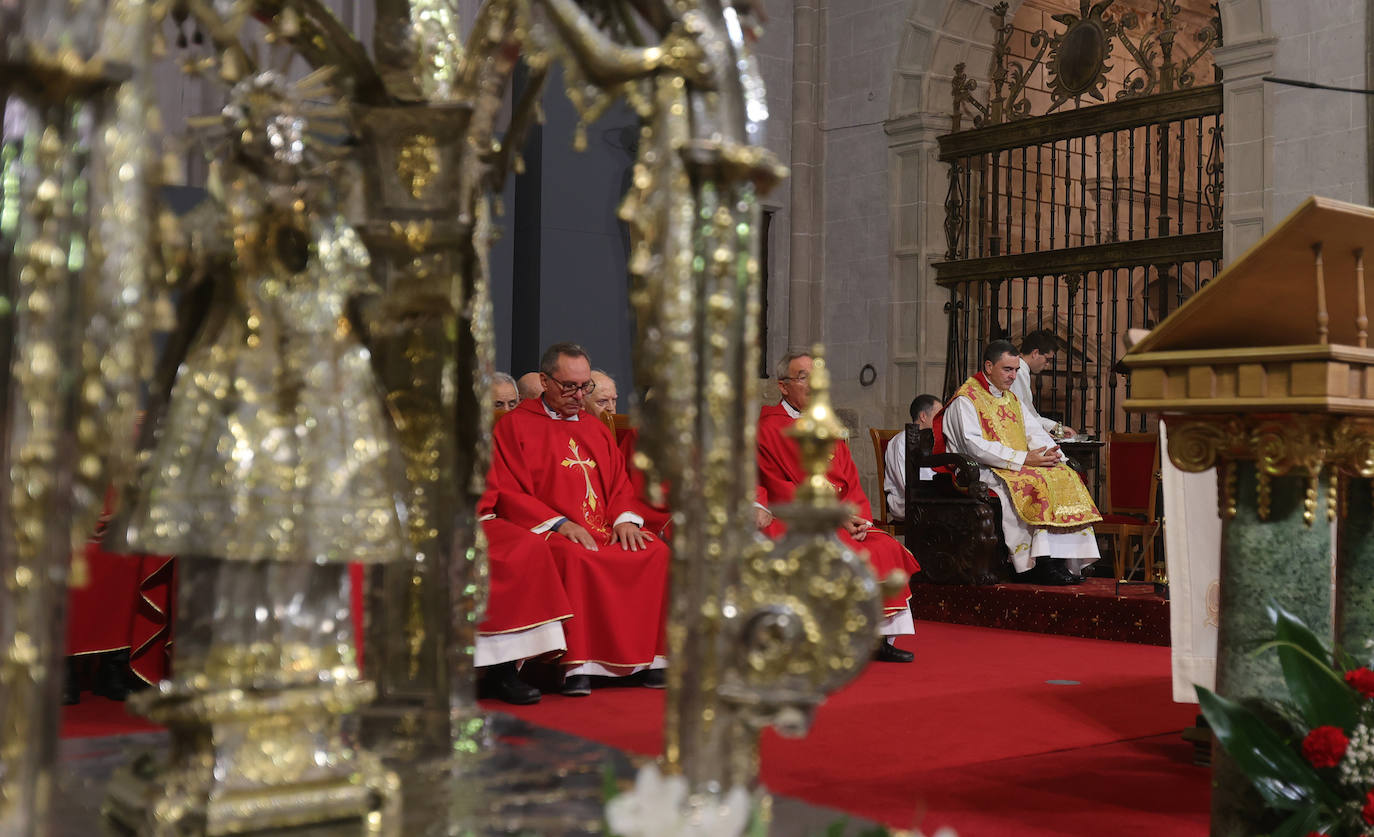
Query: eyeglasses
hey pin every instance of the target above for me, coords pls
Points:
(569, 389)
(803, 378)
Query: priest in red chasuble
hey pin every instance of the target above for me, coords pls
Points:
(557, 473)
(1047, 513)
(780, 472)
(603, 402)
(526, 604)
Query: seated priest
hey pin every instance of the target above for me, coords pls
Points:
(601, 402)
(923, 409)
(562, 477)
(526, 603)
(505, 395)
(1046, 510)
(530, 385)
(780, 473)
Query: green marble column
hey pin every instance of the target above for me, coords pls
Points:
(1281, 559)
(1355, 570)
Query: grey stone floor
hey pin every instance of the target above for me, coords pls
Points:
(532, 781)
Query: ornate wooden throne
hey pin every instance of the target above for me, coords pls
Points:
(953, 521)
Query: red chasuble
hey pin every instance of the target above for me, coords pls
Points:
(780, 472)
(656, 518)
(543, 468)
(524, 588)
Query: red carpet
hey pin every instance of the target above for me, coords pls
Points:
(96, 716)
(970, 735)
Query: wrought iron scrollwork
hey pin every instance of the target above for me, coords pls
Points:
(954, 212)
(1212, 192)
(1077, 60)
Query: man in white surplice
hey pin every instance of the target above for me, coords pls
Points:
(986, 422)
(1037, 351)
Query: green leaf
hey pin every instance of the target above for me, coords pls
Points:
(610, 783)
(758, 826)
(1320, 694)
(1303, 822)
(1280, 775)
(836, 828)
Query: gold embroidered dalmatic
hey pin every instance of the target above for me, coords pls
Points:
(1052, 497)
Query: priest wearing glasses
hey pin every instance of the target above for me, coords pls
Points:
(556, 471)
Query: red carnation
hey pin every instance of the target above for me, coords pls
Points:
(1324, 746)
(1362, 680)
(1368, 812)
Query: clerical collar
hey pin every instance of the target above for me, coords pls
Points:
(553, 414)
(791, 411)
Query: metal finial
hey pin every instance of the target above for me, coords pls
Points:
(816, 433)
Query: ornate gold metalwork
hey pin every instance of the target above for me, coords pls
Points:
(1077, 58)
(1226, 489)
(1278, 445)
(418, 163)
(694, 211)
(1263, 494)
(274, 466)
(73, 286)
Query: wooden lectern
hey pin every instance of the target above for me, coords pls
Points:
(1266, 375)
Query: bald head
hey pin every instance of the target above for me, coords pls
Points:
(530, 385)
(603, 398)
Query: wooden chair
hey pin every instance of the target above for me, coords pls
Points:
(953, 522)
(622, 425)
(608, 419)
(880, 437)
(1129, 508)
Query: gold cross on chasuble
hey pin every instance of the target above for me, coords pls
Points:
(586, 465)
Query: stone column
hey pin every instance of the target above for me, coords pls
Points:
(1274, 498)
(1355, 568)
(916, 319)
(807, 247)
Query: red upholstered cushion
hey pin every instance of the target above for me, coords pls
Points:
(1132, 477)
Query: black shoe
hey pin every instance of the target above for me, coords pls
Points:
(655, 678)
(503, 683)
(889, 653)
(1057, 575)
(71, 687)
(1034, 575)
(576, 685)
(1063, 565)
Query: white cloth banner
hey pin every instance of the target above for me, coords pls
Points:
(1192, 553)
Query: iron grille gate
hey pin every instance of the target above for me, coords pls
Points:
(1086, 222)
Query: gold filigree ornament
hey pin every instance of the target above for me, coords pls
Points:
(805, 619)
(1195, 445)
(417, 164)
(275, 466)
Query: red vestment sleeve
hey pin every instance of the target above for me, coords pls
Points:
(779, 470)
(845, 476)
(509, 479)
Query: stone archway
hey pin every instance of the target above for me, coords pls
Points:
(938, 34)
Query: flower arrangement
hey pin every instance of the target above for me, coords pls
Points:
(659, 806)
(1311, 758)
